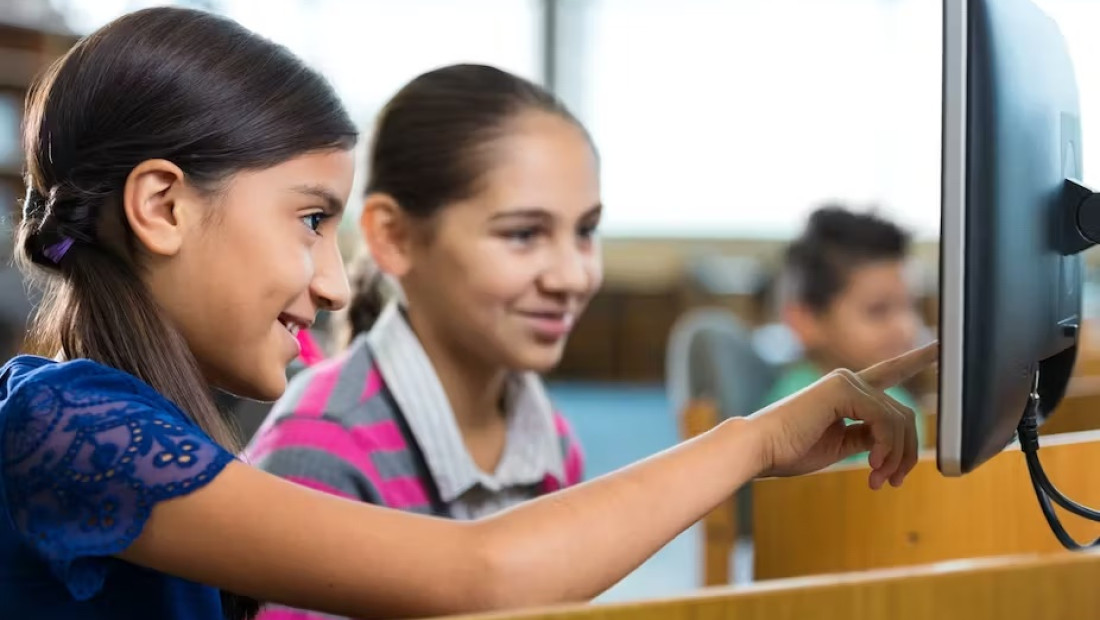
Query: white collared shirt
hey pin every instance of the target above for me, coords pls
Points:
(532, 449)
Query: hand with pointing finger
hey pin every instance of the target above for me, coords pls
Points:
(807, 431)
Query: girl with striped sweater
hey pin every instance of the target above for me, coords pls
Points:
(185, 177)
(436, 406)
(482, 203)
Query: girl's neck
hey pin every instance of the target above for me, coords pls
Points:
(474, 390)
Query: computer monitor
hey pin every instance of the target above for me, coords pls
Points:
(1010, 273)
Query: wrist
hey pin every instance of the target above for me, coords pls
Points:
(747, 445)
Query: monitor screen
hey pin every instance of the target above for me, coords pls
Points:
(1010, 274)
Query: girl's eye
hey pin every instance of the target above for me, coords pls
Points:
(522, 235)
(313, 221)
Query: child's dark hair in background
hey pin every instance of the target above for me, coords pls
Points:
(844, 293)
(836, 242)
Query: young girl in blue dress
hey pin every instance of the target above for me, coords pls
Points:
(185, 178)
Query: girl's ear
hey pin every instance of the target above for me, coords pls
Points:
(157, 207)
(386, 230)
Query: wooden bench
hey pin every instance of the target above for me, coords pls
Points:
(1062, 585)
(832, 522)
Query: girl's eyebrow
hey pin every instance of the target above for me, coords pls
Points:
(334, 205)
(537, 212)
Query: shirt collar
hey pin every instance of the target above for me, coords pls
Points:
(532, 449)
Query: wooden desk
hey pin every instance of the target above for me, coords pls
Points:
(1057, 586)
(1078, 412)
(832, 522)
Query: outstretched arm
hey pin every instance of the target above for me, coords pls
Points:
(255, 534)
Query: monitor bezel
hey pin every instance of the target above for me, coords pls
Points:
(953, 238)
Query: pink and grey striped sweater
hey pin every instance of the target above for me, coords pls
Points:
(362, 425)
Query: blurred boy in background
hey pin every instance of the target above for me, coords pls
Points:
(845, 295)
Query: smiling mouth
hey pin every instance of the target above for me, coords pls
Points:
(549, 316)
(553, 325)
(291, 324)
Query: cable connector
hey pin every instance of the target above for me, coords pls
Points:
(1028, 433)
(1028, 429)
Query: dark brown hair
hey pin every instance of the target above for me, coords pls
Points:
(835, 242)
(432, 145)
(198, 90)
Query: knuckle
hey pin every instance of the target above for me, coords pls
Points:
(843, 375)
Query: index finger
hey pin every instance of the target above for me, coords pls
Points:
(893, 371)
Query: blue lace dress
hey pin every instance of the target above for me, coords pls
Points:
(86, 452)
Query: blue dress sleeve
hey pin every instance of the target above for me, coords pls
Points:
(83, 464)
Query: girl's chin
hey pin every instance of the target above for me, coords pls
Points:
(261, 382)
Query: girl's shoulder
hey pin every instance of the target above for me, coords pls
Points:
(36, 369)
(25, 378)
(86, 452)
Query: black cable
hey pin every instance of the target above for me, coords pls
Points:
(1052, 520)
(1056, 495)
(1028, 432)
(1045, 491)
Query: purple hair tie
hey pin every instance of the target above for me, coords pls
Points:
(57, 251)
